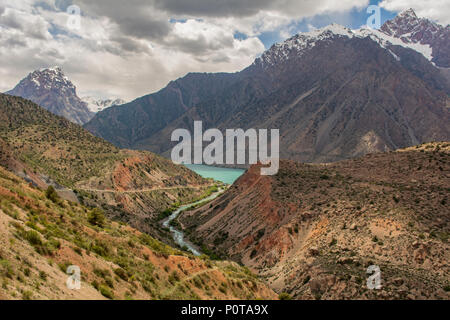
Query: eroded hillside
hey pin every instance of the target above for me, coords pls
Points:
(42, 235)
(129, 185)
(313, 230)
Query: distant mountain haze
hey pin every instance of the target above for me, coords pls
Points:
(96, 105)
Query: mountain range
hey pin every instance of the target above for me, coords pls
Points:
(312, 231)
(334, 93)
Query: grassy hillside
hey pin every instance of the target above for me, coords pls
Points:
(130, 185)
(41, 235)
(52, 144)
(313, 230)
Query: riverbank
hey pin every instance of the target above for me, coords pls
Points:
(178, 235)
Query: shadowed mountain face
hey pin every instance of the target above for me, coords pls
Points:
(312, 230)
(52, 90)
(128, 124)
(334, 94)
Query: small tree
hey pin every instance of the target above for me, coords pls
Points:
(51, 194)
(96, 217)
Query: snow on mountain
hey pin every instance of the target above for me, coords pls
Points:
(49, 78)
(301, 42)
(406, 30)
(96, 105)
(52, 90)
(385, 41)
(411, 29)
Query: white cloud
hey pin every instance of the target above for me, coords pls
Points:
(438, 10)
(131, 48)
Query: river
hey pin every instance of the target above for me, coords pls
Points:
(225, 175)
(178, 235)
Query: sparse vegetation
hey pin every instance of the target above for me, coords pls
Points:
(96, 217)
(65, 234)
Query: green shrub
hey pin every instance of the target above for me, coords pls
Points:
(33, 238)
(109, 282)
(51, 194)
(6, 269)
(106, 292)
(173, 277)
(26, 295)
(284, 296)
(43, 275)
(96, 217)
(63, 266)
(101, 248)
(121, 274)
(102, 273)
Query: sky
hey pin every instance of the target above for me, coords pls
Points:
(127, 49)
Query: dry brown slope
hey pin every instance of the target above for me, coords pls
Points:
(313, 230)
(40, 238)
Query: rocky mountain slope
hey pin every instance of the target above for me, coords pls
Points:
(132, 186)
(334, 93)
(312, 230)
(51, 89)
(412, 29)
(97, 105)
(137, 120)
(42, 235)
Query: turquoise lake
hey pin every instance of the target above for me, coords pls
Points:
(226, 175)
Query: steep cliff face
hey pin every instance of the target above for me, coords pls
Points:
(313, 230)
(52, 90)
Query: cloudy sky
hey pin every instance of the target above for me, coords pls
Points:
(130, 48)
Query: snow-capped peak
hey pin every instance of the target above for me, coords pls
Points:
(97, 105)
(299, 44)
(51, 89)
(334, 28)
(410, 28)
(49, 78)
(408, 13)
(56, 69)
(413, 30)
